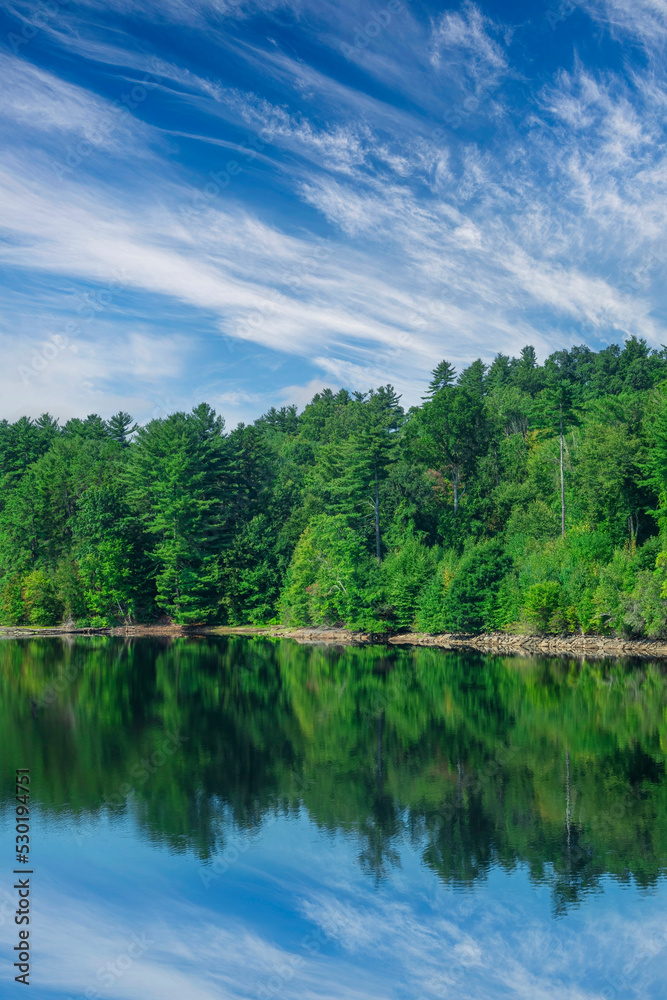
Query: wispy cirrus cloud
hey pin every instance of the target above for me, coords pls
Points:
(468, 42)
(645, 20)
(41, 102)
(320, 930)
(536, 220)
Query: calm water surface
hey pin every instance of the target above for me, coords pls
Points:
(245, 818)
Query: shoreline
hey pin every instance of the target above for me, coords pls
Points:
(497, 642)
(591, 645)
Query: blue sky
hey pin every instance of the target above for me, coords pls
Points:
(292, 917)
(243, 201)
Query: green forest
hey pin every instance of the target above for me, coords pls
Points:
(517, 496)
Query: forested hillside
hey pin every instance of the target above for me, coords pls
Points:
(518, 496)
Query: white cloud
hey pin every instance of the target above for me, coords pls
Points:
(98, 369)
(546, 233)
(646, 20)
(463, 43)
(344, 940)
(41, 102)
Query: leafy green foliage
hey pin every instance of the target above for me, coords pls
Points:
(452, 436)
(12, 608)
(519, 496)
(38, 593)
(543, 607)
(329, 580)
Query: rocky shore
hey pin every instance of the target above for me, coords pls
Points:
(499, 642)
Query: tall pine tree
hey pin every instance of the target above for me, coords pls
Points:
(180, 480)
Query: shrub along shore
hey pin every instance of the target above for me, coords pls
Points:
(519, 498)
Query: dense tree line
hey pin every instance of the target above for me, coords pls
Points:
(517, 496)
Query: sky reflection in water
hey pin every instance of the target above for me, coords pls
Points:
(267, 882)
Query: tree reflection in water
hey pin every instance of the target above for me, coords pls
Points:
(478, 761)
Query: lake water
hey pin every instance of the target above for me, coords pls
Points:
(226, 817)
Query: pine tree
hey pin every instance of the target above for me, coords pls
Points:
(526, 373)
(181, 485)
(109, 548)
(442, 376)
(378, 418)
(92, 428)
(121, 427)
(473, 378)
(499, 373)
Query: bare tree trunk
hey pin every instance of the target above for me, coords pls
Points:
(456, 488)
(378, 547)
(633, 527)
(562, 478)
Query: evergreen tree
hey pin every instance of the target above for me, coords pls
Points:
(526, 373)
(499, 373)
(92, 428)
(181, 486)
(284, 420)
(473, 378)
(442, 376)
(121, 427)
(378, 419)
(109, 548)
(103, 522)
(470, 600)
(636, 365)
